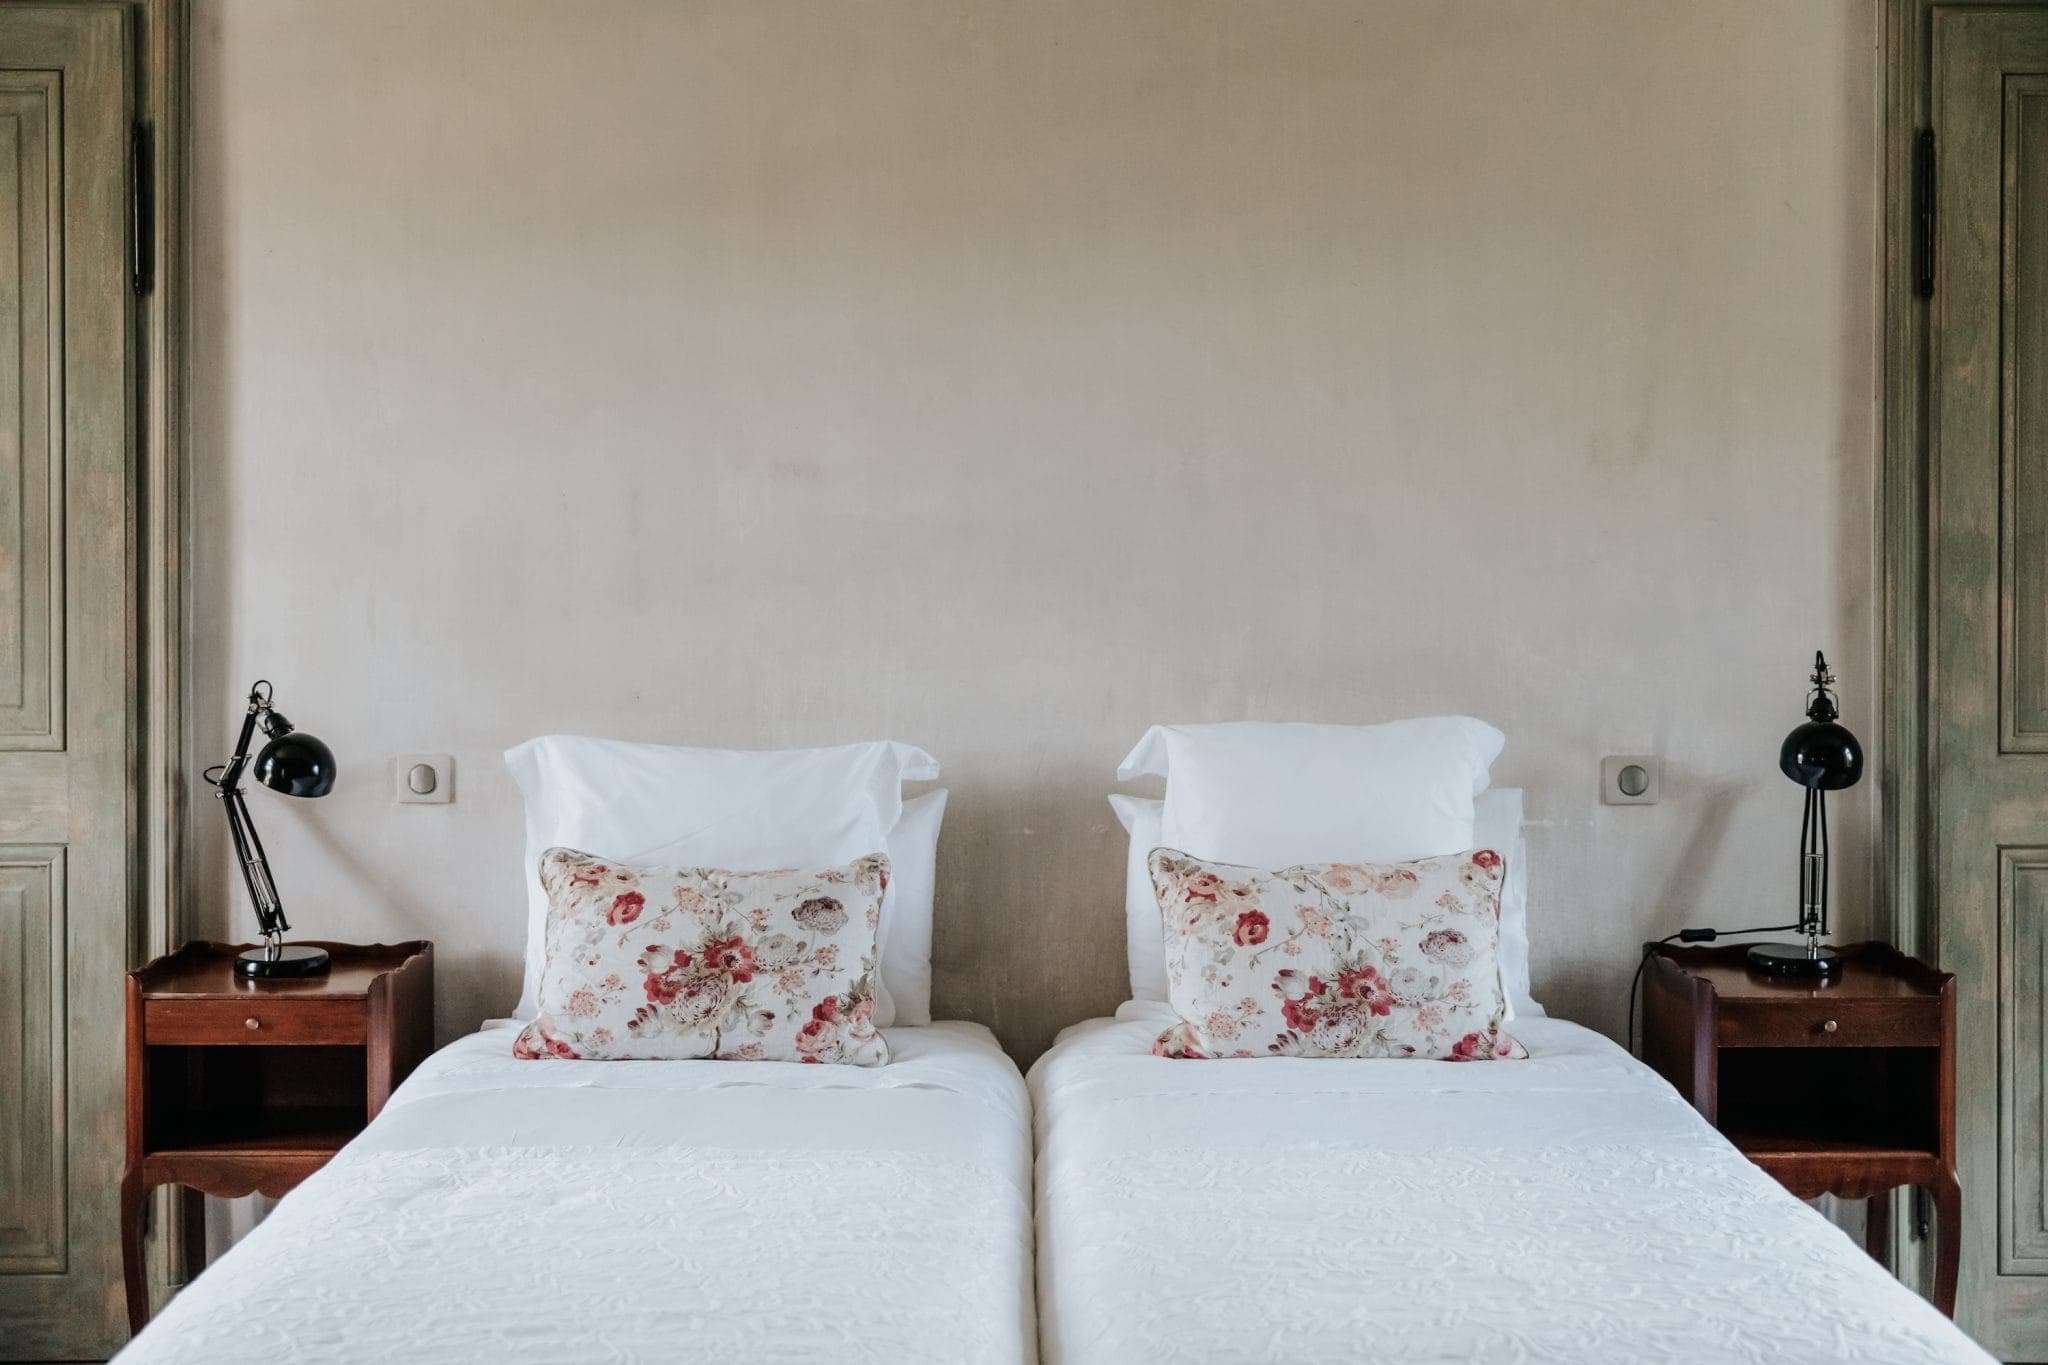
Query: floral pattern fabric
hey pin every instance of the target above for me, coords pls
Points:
(663, 963)
(1334, 959)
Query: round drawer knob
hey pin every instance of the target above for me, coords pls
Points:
(256, 1023)
(1829, 1027)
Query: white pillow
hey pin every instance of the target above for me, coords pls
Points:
(904, 992)
(745, 810)
(1497, 824)
(1144, 937)
(1279, 795)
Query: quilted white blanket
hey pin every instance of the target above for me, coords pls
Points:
(510, 1212)
(1570, 1208)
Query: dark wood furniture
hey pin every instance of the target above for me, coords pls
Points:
(238, 1087)
(1846, 1088)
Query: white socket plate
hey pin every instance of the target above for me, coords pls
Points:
(433, 771)
(1614, 765)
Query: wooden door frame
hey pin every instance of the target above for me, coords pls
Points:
(1901, 910)
(160, 358)
(158, 526)
(1902, 906)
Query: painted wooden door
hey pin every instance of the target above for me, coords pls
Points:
(1988, 472)
(67, 672)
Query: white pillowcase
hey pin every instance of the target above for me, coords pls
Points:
(1497, 825)
(1144, 934)
(903, 992)
(746, 810)
(1277, 795)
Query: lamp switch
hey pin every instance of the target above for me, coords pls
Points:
(423, 779)
(1630, 779)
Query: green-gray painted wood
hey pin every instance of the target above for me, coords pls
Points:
(69, 677)
(1987, 679)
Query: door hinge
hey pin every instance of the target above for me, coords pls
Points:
(141, 211)
(1923, 214)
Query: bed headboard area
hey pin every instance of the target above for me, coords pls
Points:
(1004, 379)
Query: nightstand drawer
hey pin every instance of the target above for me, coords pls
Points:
(281, 1020)
(1909, 1022)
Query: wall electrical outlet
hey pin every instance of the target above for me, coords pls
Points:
(1630, 779)
(423, 779)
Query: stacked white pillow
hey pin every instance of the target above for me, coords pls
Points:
(1277, 795)
(748, 811)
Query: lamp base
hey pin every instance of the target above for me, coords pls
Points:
(293, 959)
(1795, 960)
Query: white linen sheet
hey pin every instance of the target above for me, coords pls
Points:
(504, 1212)
(1570, 1208)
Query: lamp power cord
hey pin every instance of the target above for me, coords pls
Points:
(1686, 936)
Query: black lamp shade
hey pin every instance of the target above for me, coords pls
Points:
(296, 764)
(1822, 755)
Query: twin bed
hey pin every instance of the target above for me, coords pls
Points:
(507, 1212)
(1567, 1208)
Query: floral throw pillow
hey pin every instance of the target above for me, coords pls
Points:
(1334, 959)
(670, 963)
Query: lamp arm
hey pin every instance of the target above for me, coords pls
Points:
(255, 867)
(227, 782)
(1824, 860)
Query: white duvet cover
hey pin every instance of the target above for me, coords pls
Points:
(505, 1212)
(1570, 1208)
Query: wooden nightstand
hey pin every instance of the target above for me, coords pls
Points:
(238, 1087)
(1846, 1089)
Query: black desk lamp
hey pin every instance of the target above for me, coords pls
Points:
(1821, 756)
(295, 763)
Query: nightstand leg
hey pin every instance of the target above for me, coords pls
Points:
(193, 1216)
(134, 1202)
(1948, 1239)
(1877, 1226)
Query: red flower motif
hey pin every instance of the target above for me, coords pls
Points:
(815, 1037)
(625, 908)
(731, 956)
(663, 983)
(1251, 928)
(827, 1010)
(540, 1048)
(1299, 1014)
(1299, 1010)
(1203, 886)
(1365, 985)
(1471, 1049)
(1487, 859)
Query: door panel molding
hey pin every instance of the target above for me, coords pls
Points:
(35, 1240)
(31, 390)
(2023, 1026)
(2023, 454)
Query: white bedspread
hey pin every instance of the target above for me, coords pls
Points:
(1570, 1208)
(504, 1212)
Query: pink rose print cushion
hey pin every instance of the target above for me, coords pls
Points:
(1334, 959)
(673, 963)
